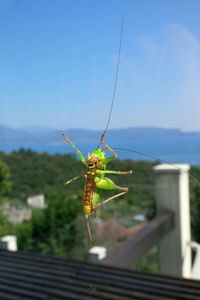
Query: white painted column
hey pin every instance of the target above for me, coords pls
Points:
(97, 253)
(9, 242)
(172, 194)
(195, 274)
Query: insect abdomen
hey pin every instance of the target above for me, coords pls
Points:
(88, 195)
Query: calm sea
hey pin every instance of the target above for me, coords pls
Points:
(175, 150)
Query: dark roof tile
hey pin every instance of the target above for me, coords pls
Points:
(31, 276)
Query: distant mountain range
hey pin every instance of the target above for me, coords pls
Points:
(172, 145)
(35, 136)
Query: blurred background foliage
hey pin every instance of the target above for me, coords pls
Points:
(60, 228)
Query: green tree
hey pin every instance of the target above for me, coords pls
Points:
(5, 183)
(53, 230)
(5, 186)
(5, 226)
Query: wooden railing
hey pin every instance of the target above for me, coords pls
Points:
(170, 230)
(128, 253)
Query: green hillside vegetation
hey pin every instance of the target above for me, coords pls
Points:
(5, 188)
(60, 228)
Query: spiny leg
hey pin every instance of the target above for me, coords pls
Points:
(82, 158)
(73, 179)
(114, 154)
(107, 184)
(89, 211)
(103, 172)
(89, 229)
(111, 198)
(95, 201)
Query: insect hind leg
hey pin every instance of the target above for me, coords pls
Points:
(125, 190)
(95, 203)
(89, 229)
(108, 184)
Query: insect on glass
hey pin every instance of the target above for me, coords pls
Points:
(96, 165)
(95, 178)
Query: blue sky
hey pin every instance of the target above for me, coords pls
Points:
(58, 63)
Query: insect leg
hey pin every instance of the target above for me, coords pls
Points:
(88, 229)
(108, 184)
(95, 201)
(105, 183)
(102, 172)
(82, 158)
(114, 154)
(75, 178)
(111, 198)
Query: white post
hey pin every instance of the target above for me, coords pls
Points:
(97, 253)
(9, 242)
(172, 194)
(195, 274)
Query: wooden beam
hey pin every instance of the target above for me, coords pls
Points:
(132, 250)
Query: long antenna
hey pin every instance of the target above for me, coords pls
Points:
(116, 77)
(160, 160)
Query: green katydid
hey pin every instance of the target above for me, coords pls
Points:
(95, 178)
(96, 166)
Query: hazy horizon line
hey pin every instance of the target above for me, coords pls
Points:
(46, 128)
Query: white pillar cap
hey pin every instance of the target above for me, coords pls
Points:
(172, 168)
